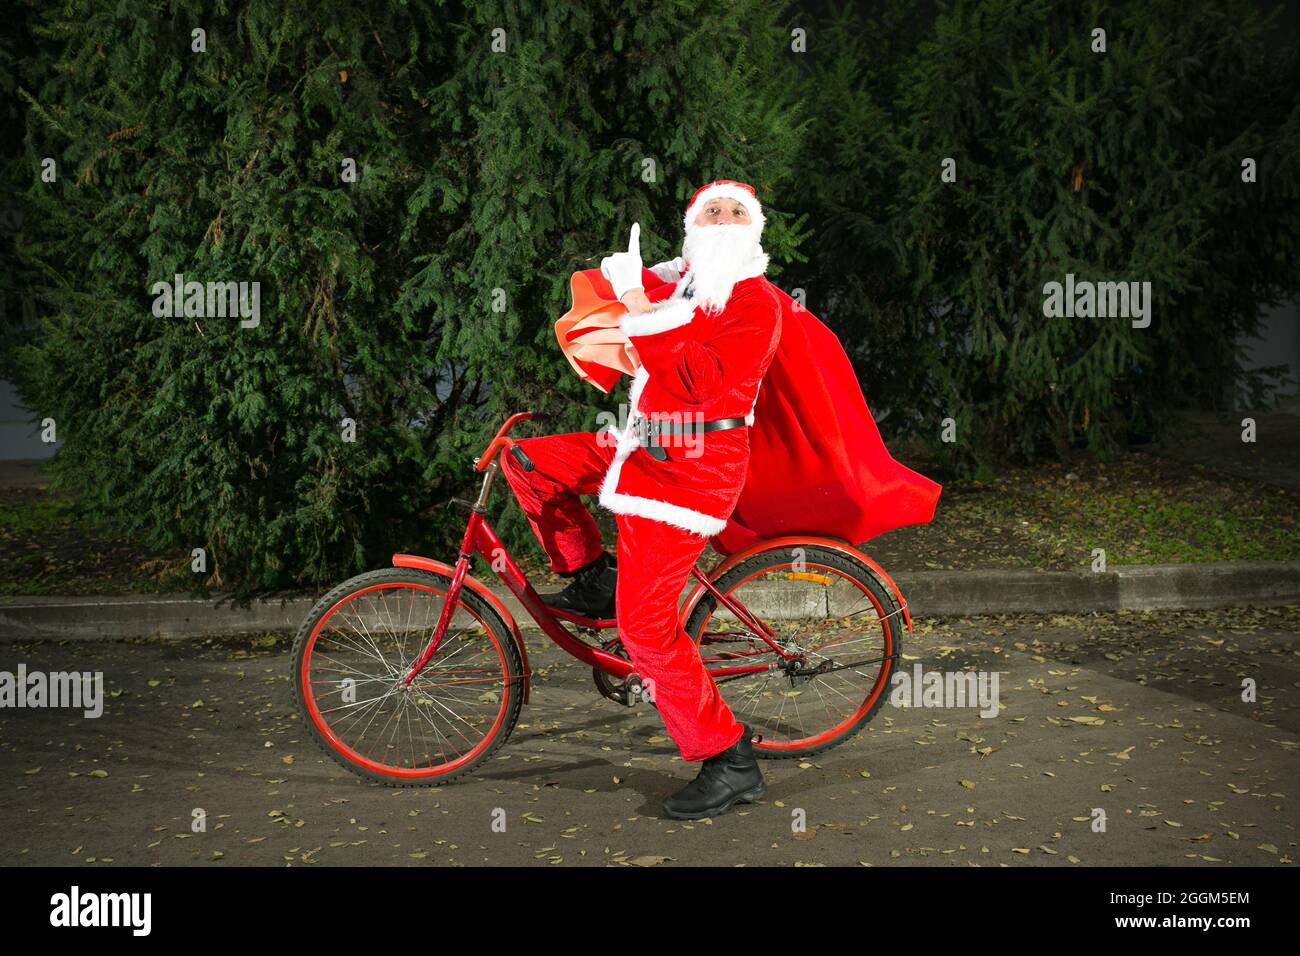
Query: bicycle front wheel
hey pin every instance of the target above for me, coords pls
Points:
(351, 657)
(839, 627)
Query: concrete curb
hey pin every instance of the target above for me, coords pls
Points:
(929, 594)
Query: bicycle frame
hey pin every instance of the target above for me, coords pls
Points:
(480, 538)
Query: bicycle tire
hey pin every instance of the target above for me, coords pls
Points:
(862, 574)
(476, 606)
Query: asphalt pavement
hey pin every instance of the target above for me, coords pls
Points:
(1134, 719)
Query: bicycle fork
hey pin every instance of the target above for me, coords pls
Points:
(467, 549)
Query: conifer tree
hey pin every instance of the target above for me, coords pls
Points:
(1116, 163)
(497, 147)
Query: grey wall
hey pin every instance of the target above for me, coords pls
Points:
(1278, 342)
(20, 429)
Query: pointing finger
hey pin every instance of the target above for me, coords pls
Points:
(634, 240)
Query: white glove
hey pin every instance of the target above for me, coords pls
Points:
(623, 269)
(671, 270)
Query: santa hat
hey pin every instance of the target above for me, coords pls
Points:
(725, 189)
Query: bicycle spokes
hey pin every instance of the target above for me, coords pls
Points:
(356, 672)
(834, 652)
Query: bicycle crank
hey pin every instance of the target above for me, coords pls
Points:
(628, 692)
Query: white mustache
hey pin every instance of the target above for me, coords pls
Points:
(719, 235)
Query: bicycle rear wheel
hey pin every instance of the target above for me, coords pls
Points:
(351, 656)
(841, 626)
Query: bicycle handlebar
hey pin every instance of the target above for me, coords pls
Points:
(521, 456)
(503, 441)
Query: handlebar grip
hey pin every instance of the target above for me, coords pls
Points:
(521, 456)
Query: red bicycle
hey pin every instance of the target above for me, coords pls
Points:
(414, 675)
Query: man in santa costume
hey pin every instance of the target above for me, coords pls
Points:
(705, 328)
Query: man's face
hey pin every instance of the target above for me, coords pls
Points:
(723, 211)
(718, 257)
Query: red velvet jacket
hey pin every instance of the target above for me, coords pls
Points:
(695, 366)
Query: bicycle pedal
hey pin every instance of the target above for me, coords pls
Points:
(634, 691)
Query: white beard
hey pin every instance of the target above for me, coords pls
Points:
(717, 257)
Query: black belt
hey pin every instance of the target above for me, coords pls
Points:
(647, 429)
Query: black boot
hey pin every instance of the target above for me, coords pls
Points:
(726, 778)
(591, 592)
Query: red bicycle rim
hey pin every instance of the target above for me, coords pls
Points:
(414, 773)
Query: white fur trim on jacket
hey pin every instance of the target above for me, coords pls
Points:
(725, 191)
(696, 522)
(639, 378)
(688, 519)
(756, 266)
(672, 313)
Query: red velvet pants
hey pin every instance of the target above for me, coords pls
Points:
(654, 561)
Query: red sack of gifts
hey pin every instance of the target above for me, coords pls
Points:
(589, 335)
(817, 462)
(817, 465)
